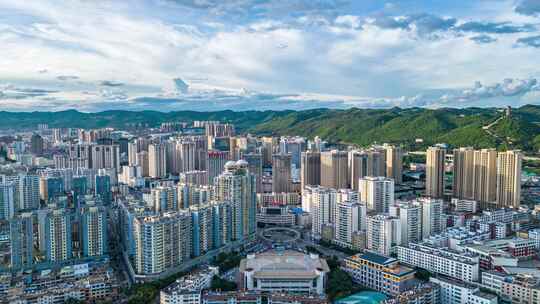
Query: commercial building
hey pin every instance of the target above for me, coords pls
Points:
(276, 215)
(283, 272)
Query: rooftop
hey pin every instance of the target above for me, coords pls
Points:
(375, 258)
(485, 295)
(286, 264)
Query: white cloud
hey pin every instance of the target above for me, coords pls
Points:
(320, 50)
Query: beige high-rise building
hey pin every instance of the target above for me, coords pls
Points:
(142, 161)
(485, 176)
(281, 173)
(184, 156)
(358, 167)
(271, 147)
(509, 178)
(376, 165)
(394, 163)
(435, 158)
(255, 165)
(463, 173)
(157, 160)
(310, 169)
(334, 169)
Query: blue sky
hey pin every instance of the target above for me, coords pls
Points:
(267, 54)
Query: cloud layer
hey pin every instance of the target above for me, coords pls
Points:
(267, 54)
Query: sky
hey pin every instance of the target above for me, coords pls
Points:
(207, 55)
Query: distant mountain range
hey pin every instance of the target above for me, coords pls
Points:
(457, 127)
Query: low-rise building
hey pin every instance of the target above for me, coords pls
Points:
(254, 297)
(187, 289)
(517, 247)
(454, 291)
(427, 293)
(521, 289)
(276, 215)
(460, 265)
(283, 271)
(379, 272)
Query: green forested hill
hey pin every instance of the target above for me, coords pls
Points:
(458, 127)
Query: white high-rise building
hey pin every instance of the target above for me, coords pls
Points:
(57, 233)
(161, 242)
(348, 220)
(377, 193)
(432, 220)
(382, 233)
(410, 220)
(322, 204)
(7, 200)
(93, 228)
(237, 186)
(28, 191)
(164, 198)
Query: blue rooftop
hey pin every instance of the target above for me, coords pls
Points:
(377, 258)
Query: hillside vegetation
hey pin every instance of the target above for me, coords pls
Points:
(457, 127)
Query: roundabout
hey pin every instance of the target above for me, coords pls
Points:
(279, 235)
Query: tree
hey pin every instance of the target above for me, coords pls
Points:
(223, 285)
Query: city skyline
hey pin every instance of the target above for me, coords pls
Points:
(243, 54)
(270, 151)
